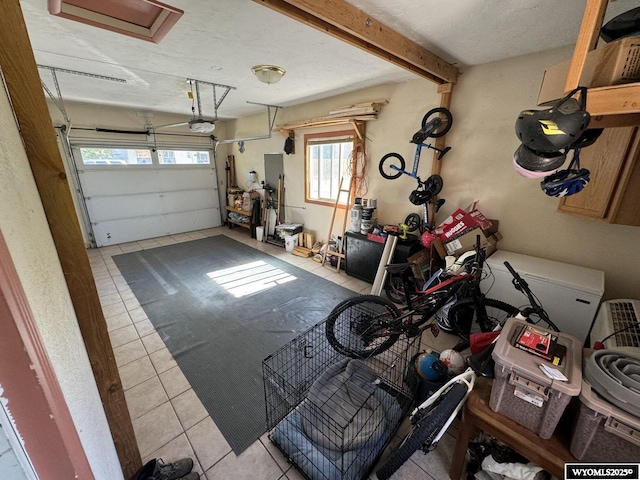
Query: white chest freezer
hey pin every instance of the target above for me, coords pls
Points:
(570, 294)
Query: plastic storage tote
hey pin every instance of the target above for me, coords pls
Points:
(522, 392)
(603, 432)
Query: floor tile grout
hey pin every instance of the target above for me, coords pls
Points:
(104, 267)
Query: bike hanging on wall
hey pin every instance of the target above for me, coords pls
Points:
(436, 123)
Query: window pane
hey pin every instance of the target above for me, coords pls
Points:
(115, 156)
(183, 157)
(327, 162)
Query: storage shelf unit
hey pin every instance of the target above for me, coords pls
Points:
(617, 105)
(242, 212)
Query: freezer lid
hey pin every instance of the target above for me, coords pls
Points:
(582, 279)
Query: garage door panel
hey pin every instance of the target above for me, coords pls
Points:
(126, 203)
(125, 206)
(186, 179)
(189, 200)
(129, 230)
(194, 220)
(119, 182)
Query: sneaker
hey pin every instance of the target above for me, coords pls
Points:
(173, 471)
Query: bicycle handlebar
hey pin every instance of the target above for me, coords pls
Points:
(522, 286)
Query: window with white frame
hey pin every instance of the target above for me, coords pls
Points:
(115, 157)
(327, 160)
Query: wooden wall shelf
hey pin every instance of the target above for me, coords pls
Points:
(612, 103)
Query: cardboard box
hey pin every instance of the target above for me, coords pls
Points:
(427, 260)
(615, 63)
(483, 222)
(455, 225)
(467, 242)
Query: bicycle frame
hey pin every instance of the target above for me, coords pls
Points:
(468, 378)
(416, 162)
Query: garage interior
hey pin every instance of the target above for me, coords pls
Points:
(365, 71)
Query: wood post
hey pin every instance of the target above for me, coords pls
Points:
(25, 90)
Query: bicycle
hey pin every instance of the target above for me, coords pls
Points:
(431, 419)
(435, 123)
(366, 325)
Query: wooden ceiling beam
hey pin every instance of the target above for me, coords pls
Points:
(351, 25)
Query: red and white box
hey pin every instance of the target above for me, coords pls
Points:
(457, 224)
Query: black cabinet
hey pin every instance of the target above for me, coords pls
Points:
(362, 256)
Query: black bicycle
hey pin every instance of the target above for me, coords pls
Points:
(431, 419)
(366, 325)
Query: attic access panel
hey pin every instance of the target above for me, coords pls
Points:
(144, 19)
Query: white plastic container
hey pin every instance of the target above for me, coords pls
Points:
(522, 392)
(259, 233)
(290, 242)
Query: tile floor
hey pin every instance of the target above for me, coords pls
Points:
(168, 419)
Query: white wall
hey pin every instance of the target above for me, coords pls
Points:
(25, 228)
(485, 104)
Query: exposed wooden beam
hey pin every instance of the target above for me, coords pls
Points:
(344, 21)
(29, 105)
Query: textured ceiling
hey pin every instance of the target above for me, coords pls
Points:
(219, 41)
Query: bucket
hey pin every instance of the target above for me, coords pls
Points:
(259, 233)
(356, 217)
(290, 242)
(367, 213)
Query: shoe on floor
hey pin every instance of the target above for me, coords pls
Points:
(172, 471)
(156, 469)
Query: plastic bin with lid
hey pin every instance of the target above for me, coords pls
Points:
(603, 432)
(522, 392)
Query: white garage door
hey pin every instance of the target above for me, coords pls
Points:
(137, 193)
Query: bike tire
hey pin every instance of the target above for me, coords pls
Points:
(389, 157)
(413, 221)
(445, 116)
(423, 431)
(433, 185)
(394, 289)
(356, 326)
(465, 317)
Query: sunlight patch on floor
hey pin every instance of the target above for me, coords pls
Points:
(250, 278)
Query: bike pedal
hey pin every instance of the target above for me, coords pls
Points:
(412, 331)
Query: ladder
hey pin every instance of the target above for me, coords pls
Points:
(340, 251)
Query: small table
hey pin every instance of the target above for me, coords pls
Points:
(549, 454)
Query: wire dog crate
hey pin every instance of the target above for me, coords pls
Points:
(332, 415)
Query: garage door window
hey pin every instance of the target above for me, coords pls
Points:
(115, 156)
(183, 157)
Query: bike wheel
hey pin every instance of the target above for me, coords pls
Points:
(433, 184)
(394, 289)
(423, 431)
(389, 159)
(445, 117)
(412, 221)
(364, 326)
(467, 317)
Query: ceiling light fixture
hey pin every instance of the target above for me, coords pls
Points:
(268, 73)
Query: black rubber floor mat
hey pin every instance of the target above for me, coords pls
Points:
(221, 307)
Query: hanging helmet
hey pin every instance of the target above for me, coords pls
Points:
(555, 128)
(419, 197)
(589, 137)
(567, 182)
(532, 164)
